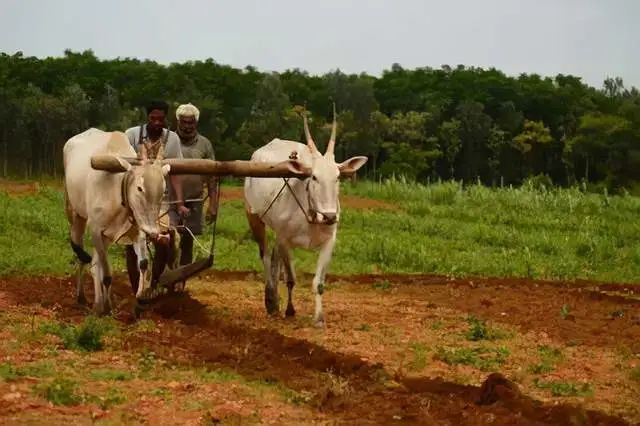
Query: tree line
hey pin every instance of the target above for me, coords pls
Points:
(464, 123)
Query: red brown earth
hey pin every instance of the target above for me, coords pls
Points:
(223, 325)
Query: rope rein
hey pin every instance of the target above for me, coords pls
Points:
(308, 215)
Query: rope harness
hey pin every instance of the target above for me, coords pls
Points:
(310, 215)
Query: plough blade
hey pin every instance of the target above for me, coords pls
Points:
(183, 272)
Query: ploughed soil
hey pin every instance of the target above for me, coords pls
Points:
(385, 356)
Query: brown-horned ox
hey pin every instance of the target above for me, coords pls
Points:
(305, 216)
(118, 208)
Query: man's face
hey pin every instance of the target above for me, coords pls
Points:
(156, 120)
(187, 125)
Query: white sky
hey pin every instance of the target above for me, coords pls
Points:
(592, 39)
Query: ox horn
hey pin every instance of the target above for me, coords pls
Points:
(310, 143)
(332, 140)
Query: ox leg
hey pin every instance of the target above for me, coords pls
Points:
(272, 272)
(133, 269)
(318, 280)
(78, 225)
(142, 265)
(102, 277)
(258, 231)
(285, 256)
(97, 274)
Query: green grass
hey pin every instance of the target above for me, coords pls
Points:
(478, 330)
(438, 228)
(419, 361)
(60, 392)
(482, 358)
(565, 388)
(549, 357)
(87, 336)
(9, 372)
(111, 375)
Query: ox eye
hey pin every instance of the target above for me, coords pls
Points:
(314, 177)
(140, 189)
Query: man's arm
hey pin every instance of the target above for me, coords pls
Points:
(173, 150)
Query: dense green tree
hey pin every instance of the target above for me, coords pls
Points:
(451, 121)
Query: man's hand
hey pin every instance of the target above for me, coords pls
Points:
(183, 211)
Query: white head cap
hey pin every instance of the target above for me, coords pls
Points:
(187, 110)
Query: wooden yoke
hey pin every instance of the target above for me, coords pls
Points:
(236, 168)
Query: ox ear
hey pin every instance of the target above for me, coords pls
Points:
(165, 169)
(352, 165)
(298, 168)
(124, 164)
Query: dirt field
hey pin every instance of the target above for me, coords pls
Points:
(398, 349)
(379, 361)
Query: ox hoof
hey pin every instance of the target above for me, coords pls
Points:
(271, 301)
(273, 310)
(318, 321)
(290, 312)
(81, 300)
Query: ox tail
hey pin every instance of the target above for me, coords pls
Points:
(82, 255)
(67, 205)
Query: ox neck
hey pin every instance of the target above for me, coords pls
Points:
(124, 196)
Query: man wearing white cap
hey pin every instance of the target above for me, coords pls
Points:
(193, 145)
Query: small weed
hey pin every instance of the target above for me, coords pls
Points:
(111, 375)
(381, 285)
(437, 325)
(549, 357)
(162, 393)
(147, 361)
(8, 372)
(41, 369)
(565, 388)
(484, 359)
(419, 356)
(60, 392)
(635, 374)
(337, 385)
(86, 337)
(364, 327)
(565, 311)
(478, 330)
(112, 398)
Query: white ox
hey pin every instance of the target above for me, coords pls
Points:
(117, 207)
(306, 216)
